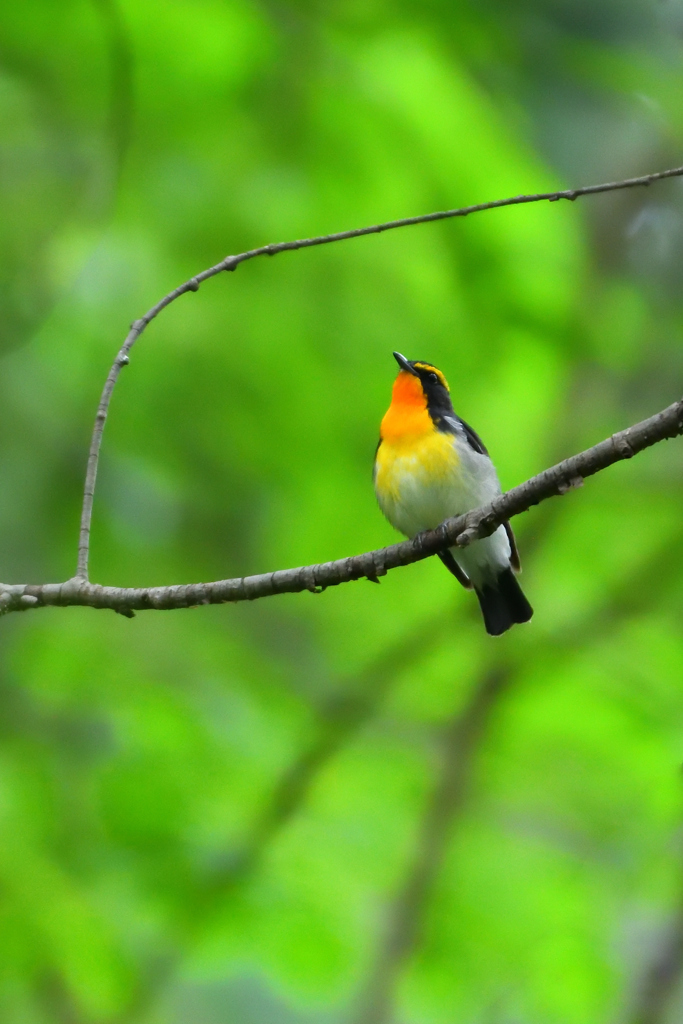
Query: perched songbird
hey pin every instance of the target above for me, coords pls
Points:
(431, 465)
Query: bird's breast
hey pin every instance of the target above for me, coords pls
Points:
(417, 480)
(428, 459)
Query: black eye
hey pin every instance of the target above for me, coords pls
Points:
(433, 379)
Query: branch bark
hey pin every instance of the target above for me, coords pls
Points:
(460, 531)
(232, 262)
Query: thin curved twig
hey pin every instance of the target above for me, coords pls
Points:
(460, 531)
(232, 262)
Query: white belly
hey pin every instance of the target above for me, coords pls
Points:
(421, 485)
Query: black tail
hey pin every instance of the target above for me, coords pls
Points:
(503, 603)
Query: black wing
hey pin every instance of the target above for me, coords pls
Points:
(514, 553)
(453, 567)
(473, 438)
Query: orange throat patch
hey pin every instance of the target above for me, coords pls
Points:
(407, 417)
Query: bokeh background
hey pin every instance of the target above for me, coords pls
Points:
(353, 807)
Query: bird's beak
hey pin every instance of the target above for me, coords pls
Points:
(404, 364)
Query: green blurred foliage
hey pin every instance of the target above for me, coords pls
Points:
(207, 814)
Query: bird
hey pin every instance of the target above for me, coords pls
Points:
(431, 465)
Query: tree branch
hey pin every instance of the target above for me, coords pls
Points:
(460, 531)
(232, 262)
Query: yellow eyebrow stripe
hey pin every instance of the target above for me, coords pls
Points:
(427, 367)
